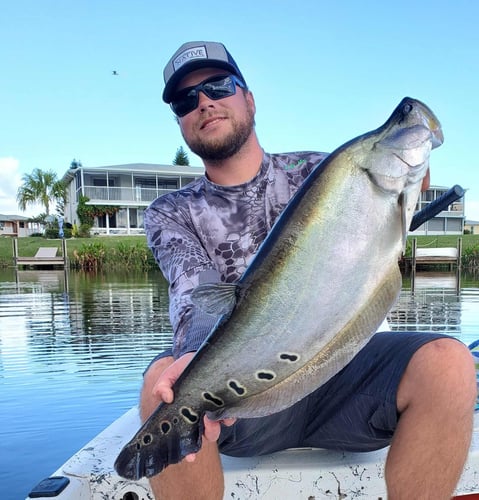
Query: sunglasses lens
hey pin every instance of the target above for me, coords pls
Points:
(219, 89)
(186, 100)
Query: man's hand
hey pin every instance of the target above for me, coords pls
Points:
(163, 390)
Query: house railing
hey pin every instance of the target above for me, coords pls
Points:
(136, 194)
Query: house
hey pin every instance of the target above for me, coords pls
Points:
(17, 226)
(128, 189)
(472, 226)
(449, 221)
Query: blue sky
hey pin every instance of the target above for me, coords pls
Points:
(321, 72)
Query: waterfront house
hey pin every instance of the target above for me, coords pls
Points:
(128, 188)
(132, 187)
(472, 226)
(449, 221)
(17, 226)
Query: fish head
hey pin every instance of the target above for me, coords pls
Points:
(405, 142)
(398, 154)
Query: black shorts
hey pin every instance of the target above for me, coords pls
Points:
(354, 411)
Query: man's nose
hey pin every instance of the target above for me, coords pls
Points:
(204, 101)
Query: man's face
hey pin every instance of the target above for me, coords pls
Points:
(217, 129)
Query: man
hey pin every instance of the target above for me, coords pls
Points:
(414, 391)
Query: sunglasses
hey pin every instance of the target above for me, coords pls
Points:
(216, 87)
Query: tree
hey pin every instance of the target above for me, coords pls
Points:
(181, 157)
(41, 187)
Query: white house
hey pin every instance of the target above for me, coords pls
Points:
(449, 221)
(130, 188)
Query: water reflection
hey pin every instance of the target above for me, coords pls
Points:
(70, 363)
(439, 302)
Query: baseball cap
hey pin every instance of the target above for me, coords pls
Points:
(195, 55)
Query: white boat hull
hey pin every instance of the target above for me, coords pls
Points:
(296, 474)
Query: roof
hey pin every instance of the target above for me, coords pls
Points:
(5, 218)
(149, 168)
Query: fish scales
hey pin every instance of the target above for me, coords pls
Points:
(318, 288)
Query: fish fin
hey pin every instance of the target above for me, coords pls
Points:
(215, 298)
(164, 439)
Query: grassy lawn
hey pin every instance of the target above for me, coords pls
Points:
(27, 247)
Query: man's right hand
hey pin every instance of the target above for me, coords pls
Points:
(163, 390)
(163, 387)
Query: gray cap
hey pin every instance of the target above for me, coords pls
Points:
(195, 55)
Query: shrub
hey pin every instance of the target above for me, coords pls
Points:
(89, 256)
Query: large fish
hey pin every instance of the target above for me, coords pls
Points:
(318, 288)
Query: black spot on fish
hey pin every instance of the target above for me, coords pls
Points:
(287, 356)
(237, 388)
(265, 375)
(189, 415)
(213, 399)
(175, 420)
(147, 439)
(165, 427)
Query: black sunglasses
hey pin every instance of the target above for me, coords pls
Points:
(216, 87)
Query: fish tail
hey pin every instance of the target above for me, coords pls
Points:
(165, 438)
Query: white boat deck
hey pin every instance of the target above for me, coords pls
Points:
(309, 474)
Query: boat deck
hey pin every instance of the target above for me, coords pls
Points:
(299, 474)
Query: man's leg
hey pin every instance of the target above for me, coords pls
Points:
(198, 480)
(436, 398)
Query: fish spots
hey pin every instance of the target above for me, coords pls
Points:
(290, 357)
(236, 387)
(189, 415)
(208, 396)
(147, 439)
(266, 375)
(165, 427)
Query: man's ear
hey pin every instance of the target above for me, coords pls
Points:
(250, 99)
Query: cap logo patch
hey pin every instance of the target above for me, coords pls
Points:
(188, 55)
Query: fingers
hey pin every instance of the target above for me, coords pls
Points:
(211, 432)
(163, 387)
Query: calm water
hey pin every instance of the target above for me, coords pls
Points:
(70, 363)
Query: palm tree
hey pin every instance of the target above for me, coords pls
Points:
(40, 187)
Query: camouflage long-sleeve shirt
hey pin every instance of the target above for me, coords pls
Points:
(207, 233)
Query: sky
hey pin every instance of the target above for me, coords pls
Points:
(322, 72)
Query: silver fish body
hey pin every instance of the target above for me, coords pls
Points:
(317, 290)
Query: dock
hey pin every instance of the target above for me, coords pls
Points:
(45, 257)
(434, 256)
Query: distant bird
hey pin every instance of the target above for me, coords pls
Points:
(115, 73)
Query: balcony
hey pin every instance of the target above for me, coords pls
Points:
(115, 195)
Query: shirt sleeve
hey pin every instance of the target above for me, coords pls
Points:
(185, 264)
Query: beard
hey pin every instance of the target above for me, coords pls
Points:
(218, 150)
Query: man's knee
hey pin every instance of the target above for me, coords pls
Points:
(440, 367)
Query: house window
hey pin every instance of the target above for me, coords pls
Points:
(165, 183)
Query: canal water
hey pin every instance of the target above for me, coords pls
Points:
(73, 347)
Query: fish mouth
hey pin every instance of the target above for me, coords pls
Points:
(431, 122)
(437, 137)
